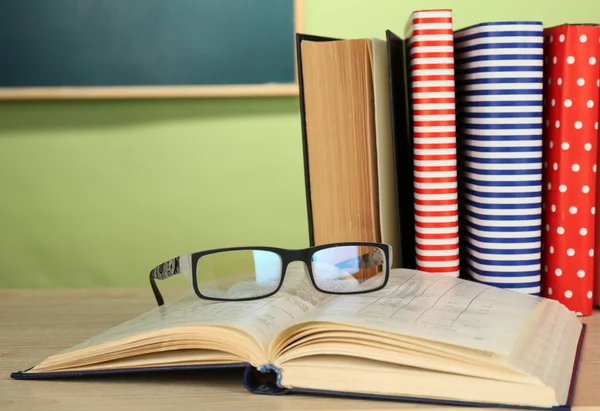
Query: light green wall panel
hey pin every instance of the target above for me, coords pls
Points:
(95, 193)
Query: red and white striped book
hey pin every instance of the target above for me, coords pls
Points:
(430, 51)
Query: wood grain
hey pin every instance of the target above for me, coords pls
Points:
(148, 92)
(37, 323)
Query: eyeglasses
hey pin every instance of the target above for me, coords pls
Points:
(251, 273)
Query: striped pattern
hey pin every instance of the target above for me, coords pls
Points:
(431, 69)
(499, 110)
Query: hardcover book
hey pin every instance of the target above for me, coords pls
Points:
(572, 55)
(349, 160)
(430, 57)
(499, 69)
(423, 338)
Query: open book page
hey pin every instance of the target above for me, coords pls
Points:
(261, 319)
(438, 308)
(548, 347)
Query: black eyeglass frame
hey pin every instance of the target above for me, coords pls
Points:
(287, 256)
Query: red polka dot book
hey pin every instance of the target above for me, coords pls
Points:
(571, 90)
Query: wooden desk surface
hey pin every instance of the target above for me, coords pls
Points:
(37, 323)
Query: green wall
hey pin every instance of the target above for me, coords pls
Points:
(95, 193)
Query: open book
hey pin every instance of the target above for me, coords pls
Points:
(424, 338)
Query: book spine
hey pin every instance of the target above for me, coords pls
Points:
(499, 70)
(572, 55)
(431, 80)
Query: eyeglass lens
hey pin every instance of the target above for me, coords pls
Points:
(235, 274)
(349, 268)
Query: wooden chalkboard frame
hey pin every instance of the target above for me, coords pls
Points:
(167, 92)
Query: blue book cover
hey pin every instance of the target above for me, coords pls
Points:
(499, 71)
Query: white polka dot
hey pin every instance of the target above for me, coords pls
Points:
(598, 82)
(549, 290)
(549, 186)
(558, 272)
(549, 81)
(551, 250)
(594, 168)
(551, 144)
(547, 123)
(580, 81)
(555, 166)
(578, 125)
(559, 81)
(553, 102)
(551, 38)
(545, 164)
(565, 146)
(583, 38)
(587, 146)
(570, 252)
(570, 59)
(546, 268)
(580, 273)
(593, 210)
(568, 103)
(562, 188)
(573, 210)
(547, 227)
(554, 60)
(583, 231)
(585, 189)
(568, 293)
(579, 313)
(592, 60)
(560, 230)
(575, 167)
(589, 294)
(591, 252)
(590, 103)
(553, 208)
(596, 125)
(557, 124)
(561, 38)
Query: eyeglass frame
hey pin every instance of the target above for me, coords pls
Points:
(174, 266)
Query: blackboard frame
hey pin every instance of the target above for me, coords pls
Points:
(166, 92)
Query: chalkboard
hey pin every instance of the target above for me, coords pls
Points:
(147, 48)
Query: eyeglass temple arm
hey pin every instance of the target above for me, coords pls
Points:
(161, 272)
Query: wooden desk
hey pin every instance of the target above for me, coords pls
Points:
(35, 324)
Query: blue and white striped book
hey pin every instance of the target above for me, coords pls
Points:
(499, 84)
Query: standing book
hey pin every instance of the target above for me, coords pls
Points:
(571, 142)
(354, 124)
(430, 57)
(424, 338)
(499, 69)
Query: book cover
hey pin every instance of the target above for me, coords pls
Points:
(499, 69)
(430, 55)
(403, 146)
(572, 55)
